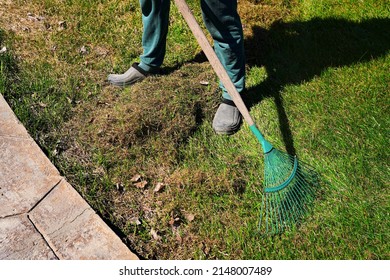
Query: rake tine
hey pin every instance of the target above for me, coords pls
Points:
(303, 182)
(273, 214)
(268, 213)
(297, 202)
(282, 217)
(277, 211)
(292, 208)
(286, 218)
(262, 212)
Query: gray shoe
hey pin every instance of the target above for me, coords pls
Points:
(131, 76)
(227, 119)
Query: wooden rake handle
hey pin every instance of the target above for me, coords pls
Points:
(213, 59)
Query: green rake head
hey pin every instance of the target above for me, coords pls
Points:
(289, 190)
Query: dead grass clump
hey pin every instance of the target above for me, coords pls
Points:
(148, 122)
(143, 130)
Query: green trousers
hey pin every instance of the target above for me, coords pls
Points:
(221, 20)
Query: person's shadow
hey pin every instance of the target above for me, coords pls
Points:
(296, 52)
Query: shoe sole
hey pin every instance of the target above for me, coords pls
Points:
(125, 84)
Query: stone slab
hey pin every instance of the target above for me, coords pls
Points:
(26, 175)
(73, 230)
(9, 123)
(19, 240)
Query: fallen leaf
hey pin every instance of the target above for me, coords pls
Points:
(159, 187)
(135, 221)
(135, 178)
(100, 132)
(205, 249)
(190, 217)
(3, 49)
(155, 235)
(177, 235)
(83, 50)
(61, 25)
(175, 222)
(141, 185)
(204, 83)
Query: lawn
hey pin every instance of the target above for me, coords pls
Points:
(146, 158)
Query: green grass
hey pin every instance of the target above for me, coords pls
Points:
(318, 86)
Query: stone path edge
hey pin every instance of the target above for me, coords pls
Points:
(41, 215)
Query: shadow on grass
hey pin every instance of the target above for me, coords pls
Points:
(298, 51)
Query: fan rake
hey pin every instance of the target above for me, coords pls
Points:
(289, 185)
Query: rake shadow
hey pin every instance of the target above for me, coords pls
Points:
(293, 53)
(298, 51)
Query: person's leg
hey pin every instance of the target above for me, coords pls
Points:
(224, 24)
(155, 19)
